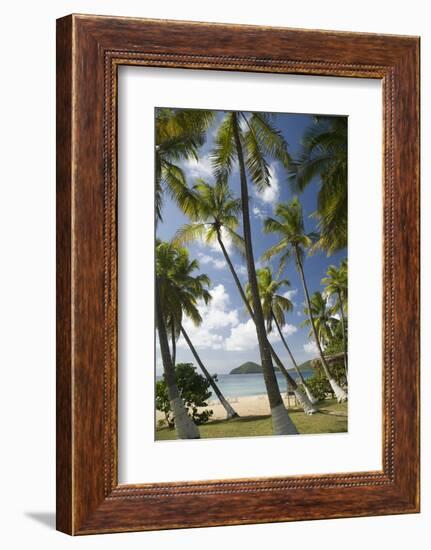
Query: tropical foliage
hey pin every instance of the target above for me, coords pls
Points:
(324, 321)
(336, 287)
(274, 307)
(179, 134)
(214, 216)
(319, 384)
(180, 290)
(245, 146)
(294, 242)
(324, 157)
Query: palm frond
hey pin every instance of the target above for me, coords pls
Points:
(284, 303)
(177, 187)
(280, 247)
(271, 225)
(190, 232)
(270, 139)
(224, 152)
(179, 288)
(324, 158)
(256, 163)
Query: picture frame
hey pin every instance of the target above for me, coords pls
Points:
(89, 51)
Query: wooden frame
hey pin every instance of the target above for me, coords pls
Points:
(89, 51)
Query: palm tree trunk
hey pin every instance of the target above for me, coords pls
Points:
(340, 394)
(343, 326)
(303, 399)
(184, 425)
(174, 345)
(231, 413)
(234, 275)
(310, 396)
(281, 422)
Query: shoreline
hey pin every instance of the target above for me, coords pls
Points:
(247, 405)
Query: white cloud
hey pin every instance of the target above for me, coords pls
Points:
(241, 270)
(206, 259)
(201, 168)
(259, 213)
(217, 313)
(242, 337)
(287, 330)
(270, 193)
(201, 338)
(311, 348)
(215, 316)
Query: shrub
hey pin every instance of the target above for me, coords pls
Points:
(194, 391)
(319, 384)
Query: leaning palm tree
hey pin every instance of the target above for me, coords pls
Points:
(274, 307)
(183, 291)
(324, 155)
(289, 225)
(336, 285)
(184, 425)
(178, 136)
(230, 411)
(215, 217)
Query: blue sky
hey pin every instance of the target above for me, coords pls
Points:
(226, 338)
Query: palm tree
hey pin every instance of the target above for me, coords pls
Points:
(181, 295)
(324, 155)
(324, 322)
(184, 425)
(215, 216)
(274, 307)
(251, 139)
(293, 241)
(336, 285)
(179, 134)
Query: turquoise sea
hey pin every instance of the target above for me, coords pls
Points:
(240, 385)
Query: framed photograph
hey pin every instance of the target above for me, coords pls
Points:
(237, 274)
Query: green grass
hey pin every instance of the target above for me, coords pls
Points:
(331, 418)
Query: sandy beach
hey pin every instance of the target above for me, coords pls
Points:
(254, 405)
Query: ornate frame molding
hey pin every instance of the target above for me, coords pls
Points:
(90, 49)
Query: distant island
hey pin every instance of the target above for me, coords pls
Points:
(249, 368)
(305, 366)
(253, 368)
